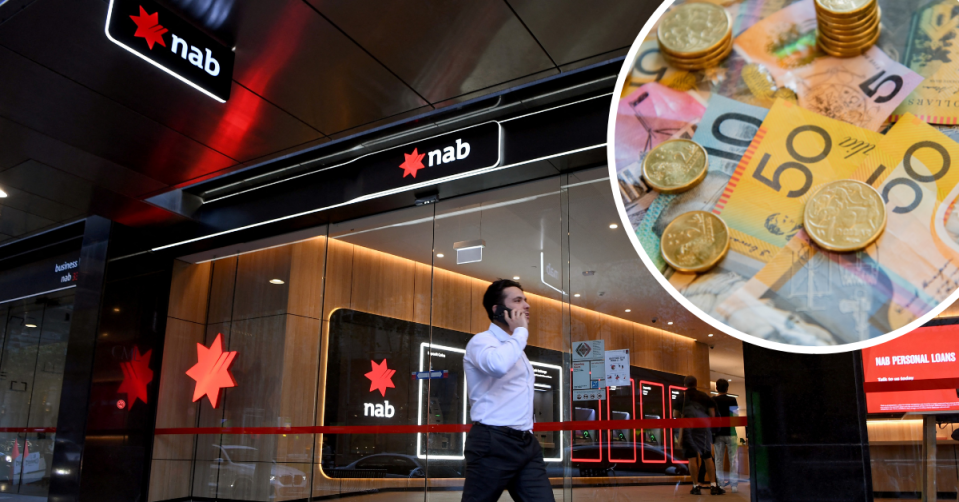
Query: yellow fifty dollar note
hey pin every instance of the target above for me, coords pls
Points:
(794, 152)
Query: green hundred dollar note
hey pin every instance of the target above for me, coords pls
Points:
(808, 296)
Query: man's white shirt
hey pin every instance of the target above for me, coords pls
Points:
(500, 378)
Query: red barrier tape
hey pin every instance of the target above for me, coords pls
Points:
(933, 384)
(28, 429)
(659, 423)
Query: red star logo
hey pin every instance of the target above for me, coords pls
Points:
(148, 28)
(136, 375)
(212, 370)
(381, 377)
(413, 163)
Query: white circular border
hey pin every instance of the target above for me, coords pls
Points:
(719, 325)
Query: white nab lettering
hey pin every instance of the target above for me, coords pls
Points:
(195, 56)
(385, 410)
(450, 153)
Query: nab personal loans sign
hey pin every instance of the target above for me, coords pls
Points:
(172, 44)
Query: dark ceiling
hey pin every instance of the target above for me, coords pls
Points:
(88, 128)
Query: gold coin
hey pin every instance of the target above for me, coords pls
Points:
(844, 215)
(700, 64)
(844, 34)
(843, 8)
(675, 166)
(727, 41)
(847, 52)
(848, 42)
(848, 28)
(695, 241)
(694, 29)
(865, 44)
(786, 93)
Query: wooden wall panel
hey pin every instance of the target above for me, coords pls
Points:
(422, 289)
(339, 277)
(175, 397)
(222, 287)
(190, 291)
(255, 295)
(479, 321)
(308, 260)
(700, 366)
(169, 480)
(546, 323)
(301, 354)
(452, 300)
(382, 284)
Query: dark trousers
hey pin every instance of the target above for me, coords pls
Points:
(497, 460)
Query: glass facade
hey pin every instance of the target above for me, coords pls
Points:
(364, 323)
(33, 337)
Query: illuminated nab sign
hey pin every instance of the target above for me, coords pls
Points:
(175, 46)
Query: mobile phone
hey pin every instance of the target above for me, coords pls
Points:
(501, 312)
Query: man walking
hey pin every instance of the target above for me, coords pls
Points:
(697, 442)
(501, 452)
(724, 438)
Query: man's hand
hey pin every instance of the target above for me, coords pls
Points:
(516, 319)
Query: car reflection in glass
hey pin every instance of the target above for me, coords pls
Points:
(242, 476)
(395, 465)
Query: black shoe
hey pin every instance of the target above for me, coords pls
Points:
(696, 490)
(715, 490)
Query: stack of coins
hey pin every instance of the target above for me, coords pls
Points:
(695, 36)
(847, 28)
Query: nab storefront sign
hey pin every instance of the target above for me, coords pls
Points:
(172, 44)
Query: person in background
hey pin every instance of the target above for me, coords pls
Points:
(697, 442)
(724, 438)
(501, 451)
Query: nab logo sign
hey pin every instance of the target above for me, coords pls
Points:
(381, 378)
(188, 54)
(414, 161)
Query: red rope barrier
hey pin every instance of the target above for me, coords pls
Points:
(658, 423)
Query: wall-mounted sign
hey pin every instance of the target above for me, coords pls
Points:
(617, 367)
(212, 371)
(172, 44)
(136, 375)
(589, 370)
(48, 274)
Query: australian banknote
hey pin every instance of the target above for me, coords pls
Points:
(863, 90)
(929, 48)
(646, 117)
(809, 296)
(794, 151)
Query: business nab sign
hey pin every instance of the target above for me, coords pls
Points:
(172, 44)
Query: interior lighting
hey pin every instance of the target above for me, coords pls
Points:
(276, 281)
(710, 334)
(613, 226)
(577, 295)
(439, 255)
(2, 194)
(116, 309)
(628, 310)
(670, 323)
(515, 277)
(30, 325)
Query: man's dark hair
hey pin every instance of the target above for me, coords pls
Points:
(722, 385)
(494, 294)
(690, 382)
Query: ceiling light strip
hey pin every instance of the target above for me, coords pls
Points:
(378, 195)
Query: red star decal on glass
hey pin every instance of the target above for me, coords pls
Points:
(136, 375)
(148, 28)
(381, 377)
(212, 371)
(413, 163)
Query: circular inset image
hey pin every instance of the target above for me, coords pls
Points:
(789, 197)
